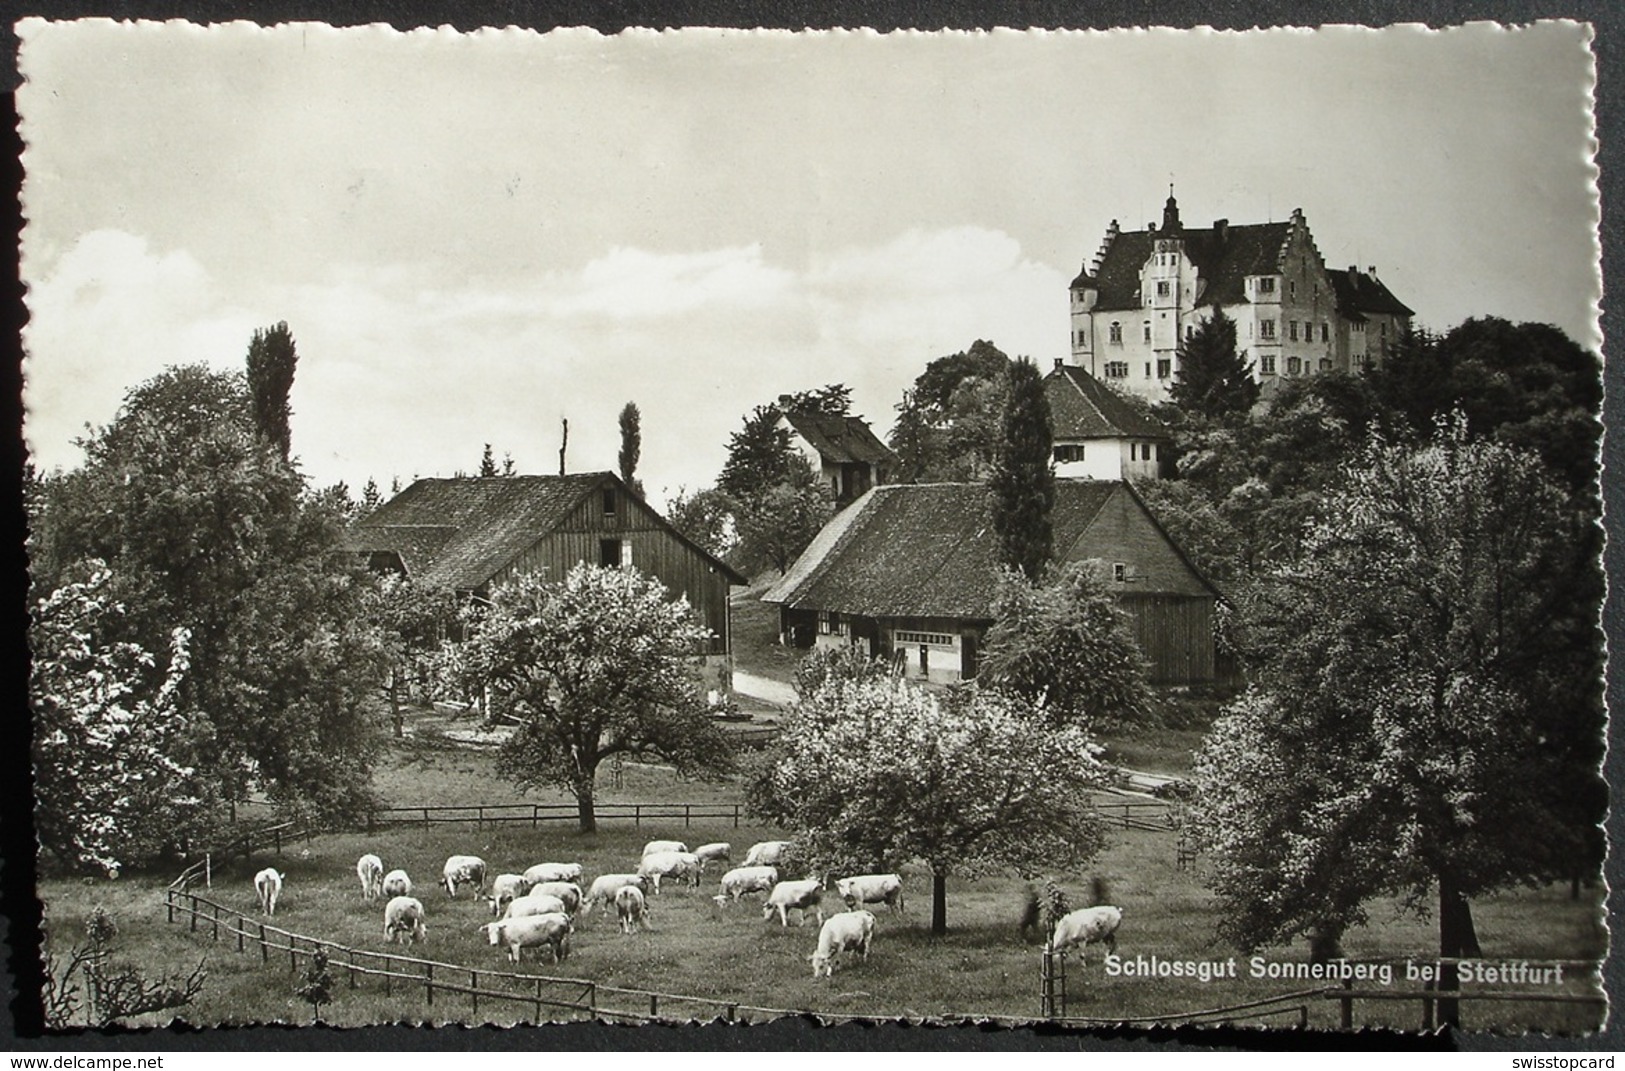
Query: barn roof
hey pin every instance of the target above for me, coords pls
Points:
(1082, 407)
(461, 531)
(928, 550)
(840, 439)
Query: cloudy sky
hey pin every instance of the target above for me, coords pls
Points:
(474, 236)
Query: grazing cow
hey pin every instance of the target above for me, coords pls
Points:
(1087, 926)
(720, 852)
(535, 904)
(631, 908)
(554, 872)
(462, 870)
(872, 889)
(567, 891)
(676, 865)
(849, 931)
(790, 896)
(370, 869)
(743, 879)
(268, 884)
(403, 921)
(396, 883)
(767, 853)
(663, 846)
(506, 888)
(603, 889)
(533, 931)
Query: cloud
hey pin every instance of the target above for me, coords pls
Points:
(404, 372)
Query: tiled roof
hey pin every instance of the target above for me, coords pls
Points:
(1223, 265)
(460, 532)
(841, 440)
(928, 550)
(1082, 407)
(1359, 293)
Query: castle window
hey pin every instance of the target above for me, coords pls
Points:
(1146, 331)
(1148, 369)
(1325, 364)
(1116, 334)
(1164, 368)
(1190, 331)
(1162, 288)
(1292, 329)
(1293, 366)
(1266, 364)
(1325, 331)
(1292, 288)
(1266, 329)
(1266, 284)
(1116, 369)
(1080, 338)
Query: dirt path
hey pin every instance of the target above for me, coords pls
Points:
(770, 691)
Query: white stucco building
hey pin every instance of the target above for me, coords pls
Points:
(1145, 291)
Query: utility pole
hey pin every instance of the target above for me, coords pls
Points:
(564, 442)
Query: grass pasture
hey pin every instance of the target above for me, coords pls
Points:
(979, 969)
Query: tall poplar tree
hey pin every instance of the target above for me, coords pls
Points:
(631, 445)
(272, 358)
(1023, 483)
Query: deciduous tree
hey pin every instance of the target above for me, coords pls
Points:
(272, 359)
(874, 773)
(594, 665)
(631, 445)
(947, 425)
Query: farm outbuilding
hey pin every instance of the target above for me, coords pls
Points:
(910, 571)
(471, 534)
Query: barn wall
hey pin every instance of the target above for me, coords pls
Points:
(654, 551)
(1123, 533)
(1176, 634)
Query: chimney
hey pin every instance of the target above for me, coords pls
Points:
(784, 401)
(1221, 229)
(1372, 271)
(1059, 363)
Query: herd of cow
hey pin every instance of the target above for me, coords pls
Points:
(540, 907)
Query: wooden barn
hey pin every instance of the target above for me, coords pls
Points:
(910, 571)
(471, 534)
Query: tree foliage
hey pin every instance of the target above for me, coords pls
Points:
(205, 527)
(488, 462)
(1213, 380)
(759, 456)
(631, 422)
(1421, 722)
(873, 773)
(832, 399)
(775, 526)
(110, 788)
(707, 517)
(595, 665)
(948, 423)
(272, 359)
(1065, 647)
(1023, 480)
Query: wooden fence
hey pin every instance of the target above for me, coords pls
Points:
(547, 998)
(535, 814)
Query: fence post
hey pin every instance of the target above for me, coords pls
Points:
(534, 810)
(293, 955)
(1427, 1006)
(192, 905)
(1347, 1018)
(736, 816)
(479, 818)
(265, 949)
(276, 835)
(208, 877)
(474, 986)
(538, 1019)
(428, 982)
(654, 1005)
(216, 933)
(169, 903)
(1046, 984)
(425, 818)
(731, 1009)
(350, 955)
(239, 928)
(637, 815)
(685, 815)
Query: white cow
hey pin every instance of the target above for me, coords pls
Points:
(370, 869)
(720, 852)
(506, 888)
(403, 921)
(743, 879)
(848, 931)
(268, 884)
(663, 846)
(872, 889)
(553, 872)
(631, 908)
(1087, 926)
(535, 904)
(533, 931)
(603, 889)
(396, 883)
(767, 853)
(567, 891)
(675, 865)
(462, 870)
(787, 896)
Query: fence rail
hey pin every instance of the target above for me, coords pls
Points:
(535, 814)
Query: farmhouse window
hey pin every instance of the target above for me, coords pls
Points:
(609, 501)
(1065, 452)
(925, 639)
(609, 553)
(1119, 571)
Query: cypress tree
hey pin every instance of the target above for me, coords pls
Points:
(1023, 483)
(271, 362)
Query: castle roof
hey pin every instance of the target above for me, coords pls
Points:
(1224, 258)
(1359, 293)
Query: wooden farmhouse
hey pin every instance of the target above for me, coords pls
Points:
(471, 534)
(910, 572)
(843, 450)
